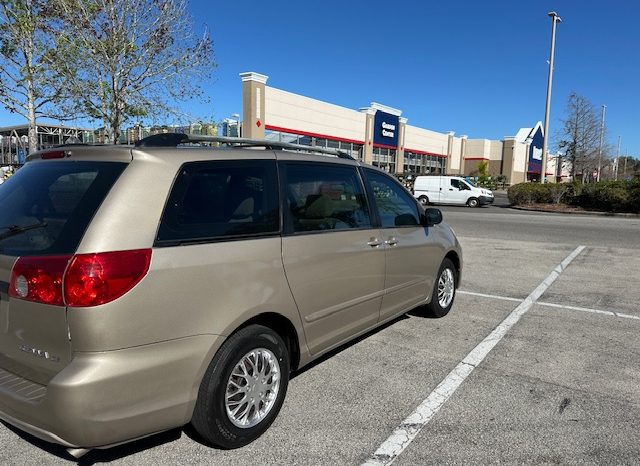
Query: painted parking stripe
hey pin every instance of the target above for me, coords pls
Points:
(491, 296)
(558, 306)
(404, 434)
(593, 311)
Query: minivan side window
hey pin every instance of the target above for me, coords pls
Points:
(222, 199)
(324, 197)
(396, 207)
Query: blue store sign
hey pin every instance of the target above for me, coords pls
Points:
(386, 128)
(535, 152)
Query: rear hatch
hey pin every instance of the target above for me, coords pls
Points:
(45, 209)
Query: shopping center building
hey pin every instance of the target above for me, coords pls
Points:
(380, 135)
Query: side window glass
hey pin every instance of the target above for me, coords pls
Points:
(396, 207)
(325, 197)
(456, 184)
(212, 200)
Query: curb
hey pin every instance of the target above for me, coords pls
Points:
(592, 213)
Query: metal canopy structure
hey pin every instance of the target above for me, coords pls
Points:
(14, 141)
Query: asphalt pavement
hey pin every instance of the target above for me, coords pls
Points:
(557, 381)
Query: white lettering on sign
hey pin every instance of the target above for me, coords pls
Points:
(389, 126)
(387, 134)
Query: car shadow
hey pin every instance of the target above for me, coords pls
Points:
(98, 455)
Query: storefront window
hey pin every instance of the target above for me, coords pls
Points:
(423, 164)
(385, 158)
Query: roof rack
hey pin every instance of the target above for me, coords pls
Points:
(175, 139)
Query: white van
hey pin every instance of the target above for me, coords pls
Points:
(450, 190)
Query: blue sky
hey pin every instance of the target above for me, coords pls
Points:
(476, 68)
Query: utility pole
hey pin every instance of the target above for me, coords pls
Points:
(604, 108)
(555, 19)
(617, 158)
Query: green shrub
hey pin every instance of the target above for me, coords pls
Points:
(608, 196)
(528, 193)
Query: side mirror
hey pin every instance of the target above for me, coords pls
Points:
(431, 217)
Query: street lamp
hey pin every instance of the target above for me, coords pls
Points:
(604, 108)
(555, 19)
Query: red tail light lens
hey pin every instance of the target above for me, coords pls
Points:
(82, 280)
(94, 279)
(53, 154)
(39, 279)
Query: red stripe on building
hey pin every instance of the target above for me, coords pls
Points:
(313, 135)
(478, 158)
(385, 146)
(422, 152)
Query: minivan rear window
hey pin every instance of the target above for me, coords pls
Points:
(47, 206)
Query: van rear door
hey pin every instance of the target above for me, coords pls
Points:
(46, 207)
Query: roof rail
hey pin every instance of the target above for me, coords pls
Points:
(175, 139)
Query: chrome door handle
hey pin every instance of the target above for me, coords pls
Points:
(374, 242)
(391, 241)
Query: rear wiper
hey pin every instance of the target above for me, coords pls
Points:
(16, 229)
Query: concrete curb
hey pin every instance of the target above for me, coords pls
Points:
(592, 213)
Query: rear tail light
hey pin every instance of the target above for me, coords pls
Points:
(82, 280)
(39, 279)
(94, 279)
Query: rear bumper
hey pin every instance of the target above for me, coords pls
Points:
(103, 399)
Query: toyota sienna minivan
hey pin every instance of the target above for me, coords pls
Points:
(143, 288)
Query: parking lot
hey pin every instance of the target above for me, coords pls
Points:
(538, 362)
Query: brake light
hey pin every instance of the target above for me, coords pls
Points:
(82, 280)
(39, 279)
(53, 154)
(94, 279)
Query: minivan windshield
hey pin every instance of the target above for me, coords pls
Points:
(470, 183)
(46, 206)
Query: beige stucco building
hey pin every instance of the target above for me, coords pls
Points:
(378, 134)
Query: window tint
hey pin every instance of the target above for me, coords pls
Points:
(55, 201)
(325, 197)
(222, 199)
(396, 207)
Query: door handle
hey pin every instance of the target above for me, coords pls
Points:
(374, 242)
(391, 241)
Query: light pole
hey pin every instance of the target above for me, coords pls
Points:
(617, 159)
(604, 108)
(555, 19)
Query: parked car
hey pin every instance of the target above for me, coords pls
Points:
(143, 288)
(450, 190)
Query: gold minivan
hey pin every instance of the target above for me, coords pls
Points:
(143, 288)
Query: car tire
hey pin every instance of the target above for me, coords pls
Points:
(231, 419)
(473, 202)
(444, 290)
(424, 200)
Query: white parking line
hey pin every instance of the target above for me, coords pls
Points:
(404, 434)
(492, 296)
(593, 311)
(558, 306)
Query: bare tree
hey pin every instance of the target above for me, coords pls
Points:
(581, 138)
(28, 85)
(131, 58)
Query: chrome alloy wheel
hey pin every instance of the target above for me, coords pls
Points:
(252, 388)
(446, 288)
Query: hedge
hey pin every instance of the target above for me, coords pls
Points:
(609, 196)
